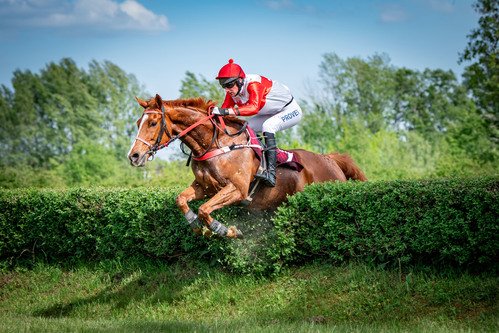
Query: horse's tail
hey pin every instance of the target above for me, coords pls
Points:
(348, 166)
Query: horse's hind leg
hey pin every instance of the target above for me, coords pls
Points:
(193, 192)
(226, 196)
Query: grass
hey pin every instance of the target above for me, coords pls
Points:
(152, 297)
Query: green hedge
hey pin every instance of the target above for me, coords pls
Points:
(435, 222)
(93, 224)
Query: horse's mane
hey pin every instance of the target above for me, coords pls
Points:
(199, 103)
(202, 105)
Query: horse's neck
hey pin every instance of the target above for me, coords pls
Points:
(200, 139)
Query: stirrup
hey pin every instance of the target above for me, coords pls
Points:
(266, 177)
(261, 174)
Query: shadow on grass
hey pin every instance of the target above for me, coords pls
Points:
(152, 285)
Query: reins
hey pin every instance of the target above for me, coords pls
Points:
(154, 148)
(172, 137)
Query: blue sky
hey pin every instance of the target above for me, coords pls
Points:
(285, 40)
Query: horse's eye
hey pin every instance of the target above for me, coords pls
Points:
(154, 123)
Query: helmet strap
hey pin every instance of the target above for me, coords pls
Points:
(239, 84)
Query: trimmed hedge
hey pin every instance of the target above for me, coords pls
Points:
(434, 222)
(93, 224)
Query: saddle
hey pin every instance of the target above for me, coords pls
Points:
(284, 158)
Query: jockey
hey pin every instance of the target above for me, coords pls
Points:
(269, 103)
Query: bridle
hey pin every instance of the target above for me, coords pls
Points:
(153, 148)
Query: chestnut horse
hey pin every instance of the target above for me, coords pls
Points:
(227, 176)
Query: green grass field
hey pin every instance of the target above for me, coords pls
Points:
(151, 297)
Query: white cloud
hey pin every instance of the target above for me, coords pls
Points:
(279, 4)
(441, 5)
(100, 15)
(393, 13)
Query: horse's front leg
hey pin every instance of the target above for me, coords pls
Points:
(226, 196)
(193, 192)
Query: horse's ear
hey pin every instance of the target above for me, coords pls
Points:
(141, 102)
(159, 101)
(212, 103)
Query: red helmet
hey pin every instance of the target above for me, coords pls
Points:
(231, 70)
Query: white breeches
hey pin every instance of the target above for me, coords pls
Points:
(274, 122)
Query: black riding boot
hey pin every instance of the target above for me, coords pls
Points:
(271, 157)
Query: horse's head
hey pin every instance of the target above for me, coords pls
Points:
(162, 122)
(153, 131)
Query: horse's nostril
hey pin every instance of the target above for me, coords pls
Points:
(134, 157)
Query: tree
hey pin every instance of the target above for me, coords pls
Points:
(71, 111)
(31, 127)
(115, 92)
(49, 114)
(7, 120)
(482, 76)
(428, 102)
(358, 88)
(90, 163)
(317, 129)
(365, 102)
(191, 86)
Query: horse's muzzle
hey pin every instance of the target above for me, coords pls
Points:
(137, 159)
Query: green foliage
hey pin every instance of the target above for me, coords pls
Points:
(192, 86)
(50, 112)
(89, 164)
(396, 122)
(63, 113)
(115, 93)
(317, 129)
(68, 127)
(379, 154)
(85, 225)
(381, 96)
(169, 174)
(438, 222)
(94, 165)
(482, 76)
(359, 88)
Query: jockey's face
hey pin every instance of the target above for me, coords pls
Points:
(232, 91)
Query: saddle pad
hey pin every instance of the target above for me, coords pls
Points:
(284, 157)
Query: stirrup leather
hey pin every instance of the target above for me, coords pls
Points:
(268, 174)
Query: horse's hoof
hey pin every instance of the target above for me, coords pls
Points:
(206, 232)
(198, 231)
(233, 232)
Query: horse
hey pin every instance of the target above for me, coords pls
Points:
(223, 161)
